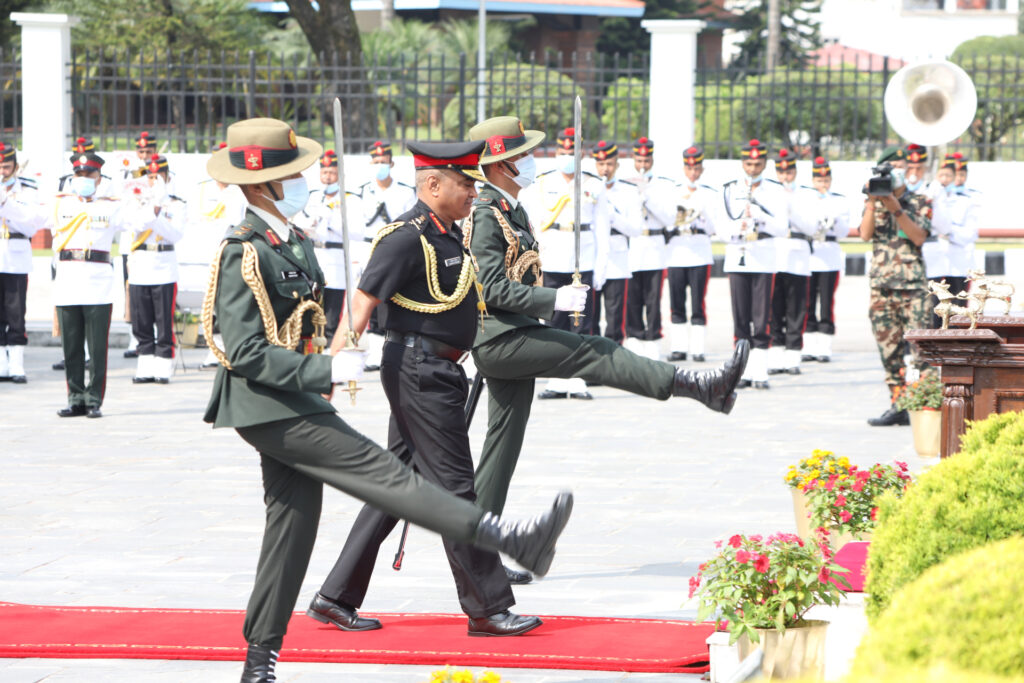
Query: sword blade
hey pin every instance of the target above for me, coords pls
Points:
(577, 181)
(339, 142)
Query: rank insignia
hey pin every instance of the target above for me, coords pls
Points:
(504, 205)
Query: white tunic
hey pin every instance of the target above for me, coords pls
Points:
(383, 205)
(694, 248)
(647, 251)
(617, 220)
(823, 216)
(21, 216)
(81, 283)
(149, 231)
(793, 254)
(321, 221)
(952, 252)
(549, 204)
(767, 206)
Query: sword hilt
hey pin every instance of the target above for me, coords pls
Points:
(576, 315)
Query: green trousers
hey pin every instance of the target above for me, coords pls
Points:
(81, 326)
(511, 362)
(298, 456)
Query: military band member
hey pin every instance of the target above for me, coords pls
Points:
(156, 226)
(550, 199)
(824, 215)
(617, 220)
(647, 252)
(85, 145)
(755, 213)
(21, 216)
(84, 225)
(896, 225)
(272, 395)
(690, 258)
(514, 348)
(792, 277)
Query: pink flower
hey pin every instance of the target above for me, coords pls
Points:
(736, 541)
(901, 465)
(694, 584)
(761, 563)
(864, 474)
(845, 516)
(858, 485)
(742, 556)
(874, 514)
(718, 544)
(823, 575)
(840, 501)
(756, 538)
(878, 474)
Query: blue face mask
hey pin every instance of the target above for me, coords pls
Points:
(296, 194)
(755, 179)
(822, 195)
(383, 171)
(914, 186)
(568, 165)
(332, 188)
(83, 186)
(9, 182)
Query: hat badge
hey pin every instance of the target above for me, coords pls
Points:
(83, 159)
(254, 161)
(753, 154)
(914, 156)
(521, 130)
(292, 142)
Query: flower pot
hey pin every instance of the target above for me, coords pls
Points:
(803, 522)
(723, 657)
(927, 428)
(189, 335)
(797, 653)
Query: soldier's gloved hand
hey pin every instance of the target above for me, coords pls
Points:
(571, 298)
(347, 366)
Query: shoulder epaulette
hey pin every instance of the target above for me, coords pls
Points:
(241, 232)
(707, 187)
(353, 194)
(836, 194)
(405, 184)
(628, 182)
(662, 177)
(479, 201)
(773, 182)
(541, 175)
(592, 175)
(731, 182)
(28, 182)
(176, 198)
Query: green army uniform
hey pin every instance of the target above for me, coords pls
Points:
(899, 288)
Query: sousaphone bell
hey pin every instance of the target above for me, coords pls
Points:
(930, 103)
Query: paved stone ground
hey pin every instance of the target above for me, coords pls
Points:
(150, 507)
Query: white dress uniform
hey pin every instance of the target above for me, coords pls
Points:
(826, 217)
(647, 254)
(21, 216)
(689, 266)
(949, 250)
(617, 219)
(789, 292)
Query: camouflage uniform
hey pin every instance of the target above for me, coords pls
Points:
(899, 289)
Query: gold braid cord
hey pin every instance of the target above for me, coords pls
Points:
(288, 335)
(515, 268)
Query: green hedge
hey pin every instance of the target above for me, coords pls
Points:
(967, 612)
(968, 500)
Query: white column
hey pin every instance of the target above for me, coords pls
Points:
(673, 75)
(45, 91)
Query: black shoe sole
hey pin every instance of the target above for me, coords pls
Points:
(484, 634)
(327, 620)
(545, 558)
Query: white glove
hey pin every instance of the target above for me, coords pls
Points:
(347, 366)
(571, 298)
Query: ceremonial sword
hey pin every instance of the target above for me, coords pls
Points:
(339, 140)
(577, 187)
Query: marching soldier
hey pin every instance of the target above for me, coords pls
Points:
(514, 348)
(755, 213)
(158, 223)
(792, 277)
(271, 394)
(84, 225)
(382, 199)
(823, 214)
(690, 258)
(896, 225)
(647, 252)
(321, 221)
(429, 327)
(551, 198)
(84, 145)
(617, 220)
(21, 216)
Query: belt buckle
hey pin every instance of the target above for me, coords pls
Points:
(750, 236)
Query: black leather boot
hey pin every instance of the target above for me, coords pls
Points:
(259, 665)
(531, 543)
(714, 388)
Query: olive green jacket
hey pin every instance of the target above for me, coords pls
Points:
(510, 304)
(266, 382)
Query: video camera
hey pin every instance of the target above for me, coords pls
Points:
(880, 184)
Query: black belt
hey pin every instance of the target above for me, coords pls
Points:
(329, 245)
(678, 231)
(154, 247)
(647, 232)
(368, 239)
(799, 236)
(568, 227)
(83, 255)
(16, 236)
(428, 344)
(757, 236)
(831, 238)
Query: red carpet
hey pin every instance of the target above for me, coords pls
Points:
(641, 645)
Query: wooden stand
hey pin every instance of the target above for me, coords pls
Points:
(982, 370)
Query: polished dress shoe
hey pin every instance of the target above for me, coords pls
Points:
(371, 368)
(327, 611)
(698, 358)
(259, 665)
(531, 542)
(72, 411)
(94, 413)
(743, 384)
(776, 371)
(503, 624)
(517, 577)
(808, 359)
(208, 366)
(891, 417)
(714, 388)
(762, 385)
(547, 393)
(162, 380)
(582, 395)
(18, 379)
(792, 371)
(824, 359)
(143, 380)
(59, 365)
(677, 355)
(131, 353)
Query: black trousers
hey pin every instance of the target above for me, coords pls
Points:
(614, 294)
(789, 310)
(427, 395)
(956, 285)
(696, 279)
(334, 306)
(821, 302)
(751, 295)
(563, 319)
(645, 298)
(13, 292)
(81, 325)
(153, 305)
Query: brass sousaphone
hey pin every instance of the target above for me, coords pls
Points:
(930, 103)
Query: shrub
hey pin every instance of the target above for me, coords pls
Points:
(965, 501)
(967, 612)
(624, 110)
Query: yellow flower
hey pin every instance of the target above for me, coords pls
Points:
(490, 677)
(439, 676)
(844, 462)
(814, 474)
(791, 475)
(464, 676)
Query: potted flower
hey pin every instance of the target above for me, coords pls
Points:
(801, 477)
(923, 401)
(762, 588)
(186, 326)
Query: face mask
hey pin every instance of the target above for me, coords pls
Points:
(568, 165)
(754, 179)
(649, 174)
(822, 195)
(383, 172)
(913, 183)
(332, 188)
(296, 194)
(527, 167)
(787, 184)
(9, 182)
(83, 186)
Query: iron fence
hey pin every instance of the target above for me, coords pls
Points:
(10, 97)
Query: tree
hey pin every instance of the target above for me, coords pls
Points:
(799, 35)
(626, 35)
(996, 65)
(9, 31)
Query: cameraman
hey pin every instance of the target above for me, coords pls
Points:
(897, 223)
